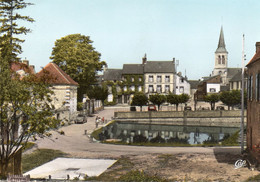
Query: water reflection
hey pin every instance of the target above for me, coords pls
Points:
(129, 132)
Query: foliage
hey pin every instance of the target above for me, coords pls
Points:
(9, 18)
(231, 98)
(212, 99)
(177, 99)
(78, 58)
(98, 93)
(157, 99)
(39, 157)
(139, 139)
(25, 103)
(232, 140)
(157, 139)
(139, 99)
(136, 175)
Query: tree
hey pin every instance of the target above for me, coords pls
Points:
(173, 99)
(139, 99)
(157, 99)
(98, 93)
(24, 103)
(231, 98)
(184, 98)
(75, 55)
(212, 99)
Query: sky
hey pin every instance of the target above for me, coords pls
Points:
(124, 30)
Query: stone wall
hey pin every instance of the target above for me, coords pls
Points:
(191, 118)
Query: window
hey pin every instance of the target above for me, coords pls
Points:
(159, 89)
(150, 88)
(159, 79)
(133, 88)
(257, 87)
(150, 78)
(125, 88)
(181, 89)
(219, 60)
(167, 78)
(132, 79)
(249, 87)
(140, 88)
(212, 90)
(140, 79)
(181, 80)
(167, 88)
(223, 59)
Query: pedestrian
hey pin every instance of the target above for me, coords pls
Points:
(97, 120)
(103, 119)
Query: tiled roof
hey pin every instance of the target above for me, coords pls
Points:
(16, 66)
(133, 69)
(113, 74)
(255, 58)
(58, 75)
(159, 67)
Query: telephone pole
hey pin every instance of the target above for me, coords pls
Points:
(242, 95)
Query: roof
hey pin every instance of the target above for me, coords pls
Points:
(17, 66)
(194, 84)
(238, 76)
(133, 69)
(213, 79)
(221, 43)
(231, 72)
(255, 58)
(113, 74)
(159, 67)
(58, 75)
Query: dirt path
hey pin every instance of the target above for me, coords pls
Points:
(213, 163)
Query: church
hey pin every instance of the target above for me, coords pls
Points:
(221, 62)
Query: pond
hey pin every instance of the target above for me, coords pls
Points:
(132, 132)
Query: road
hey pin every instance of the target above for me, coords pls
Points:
(77, 144)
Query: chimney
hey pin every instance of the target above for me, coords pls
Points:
(257, 46)
(144, 59)
(26, 62)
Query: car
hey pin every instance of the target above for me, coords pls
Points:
(132, 108)
(220, 108)
(152, 107)
(81, 119)
(187, 108)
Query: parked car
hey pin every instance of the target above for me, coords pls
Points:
(132, 108)
(220, 108)
(152, 107)
(187, 108)
(81, 119)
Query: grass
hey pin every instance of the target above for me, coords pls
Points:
(254, 178)
(39, 157)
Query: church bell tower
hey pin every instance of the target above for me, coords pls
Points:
(221, 57)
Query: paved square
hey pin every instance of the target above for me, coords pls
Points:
(61, 167)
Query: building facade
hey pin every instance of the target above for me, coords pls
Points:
(253, 104)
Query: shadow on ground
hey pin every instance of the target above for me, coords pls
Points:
(227, 155)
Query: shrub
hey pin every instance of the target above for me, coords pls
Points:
(136, 175)
(157, 139)
(139, 139)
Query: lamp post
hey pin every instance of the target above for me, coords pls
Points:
(242, 97)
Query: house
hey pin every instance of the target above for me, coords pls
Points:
(64, 87)
(193, 87)
(209, 85)
(182, 85)
(112, 79)
(235, 83)
(159, 76)
(253, 104)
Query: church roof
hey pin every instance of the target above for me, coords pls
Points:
(221, 43)
(231, 72)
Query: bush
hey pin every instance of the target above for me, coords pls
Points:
(157, 139)
(140, 139)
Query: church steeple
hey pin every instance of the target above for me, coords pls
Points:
(221, 43)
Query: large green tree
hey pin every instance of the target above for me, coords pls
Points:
(173, 99)
(231, 98)
(76, 55)
(25, 108)
(212, 99)
(139, 99)
(157, 99)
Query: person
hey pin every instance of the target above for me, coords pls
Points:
(97, 120)
(103, 120)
